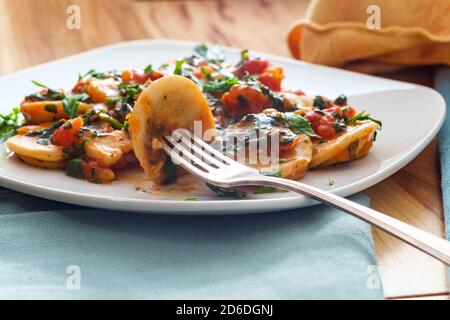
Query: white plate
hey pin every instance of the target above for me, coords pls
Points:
(411, 115)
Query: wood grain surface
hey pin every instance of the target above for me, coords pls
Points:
(34, 32)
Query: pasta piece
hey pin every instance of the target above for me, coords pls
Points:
(169, 103)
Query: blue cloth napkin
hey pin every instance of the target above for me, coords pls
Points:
(442, 84)
(55, 250)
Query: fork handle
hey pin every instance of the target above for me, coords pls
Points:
(422, 240)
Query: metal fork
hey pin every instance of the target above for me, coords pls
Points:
(214, 167)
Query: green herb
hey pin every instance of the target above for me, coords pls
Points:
(299, 125)
(113, 122)
(276, 174)
(341, 100)
(227, 192)
(220, 85)
(276, 99)
(105, 75)
(126, 126)
(45, 135)
(50, 94)
(50, 108)
(82, 97)
(178, 67)
(264, 189)
(148, 69)
(130, 92)
(211, 53)
(191, 199)
(362, 116)
(205, 73)
(9, 123)
(319, 102)
(170, 171)
(75, 168)
(82, 76)
(70, 107)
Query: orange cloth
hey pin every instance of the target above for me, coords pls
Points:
(335, 33)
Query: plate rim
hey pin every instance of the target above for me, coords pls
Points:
(201, 207)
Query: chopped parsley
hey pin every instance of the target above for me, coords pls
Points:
(9, 123)
(227, 192)
(264, 189)
(45, 135)
(362, 116)
(75, 168)
(148, 69)
(219, 85)
(178, 67)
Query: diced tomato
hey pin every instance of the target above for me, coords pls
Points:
(134, 76)
(200, 72)
(336, 109)
(156, 75)
(270, 81)
(241, 100)
(350, 111)
(256, 66)
(324, 127)
(80, 87)
(297, 92)
(66, 134)
(322, 124)
(345, 112)
(139, 76)
(313, 116)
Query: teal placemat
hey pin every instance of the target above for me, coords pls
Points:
(54, 250)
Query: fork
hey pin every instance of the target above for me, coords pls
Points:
(212, 166)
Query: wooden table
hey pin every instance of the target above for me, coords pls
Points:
(34, 32)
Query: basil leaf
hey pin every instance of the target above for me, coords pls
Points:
(299, 125)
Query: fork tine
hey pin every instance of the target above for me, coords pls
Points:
(186, 150)
(186, 164)
(219, 155)
(201, 152)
